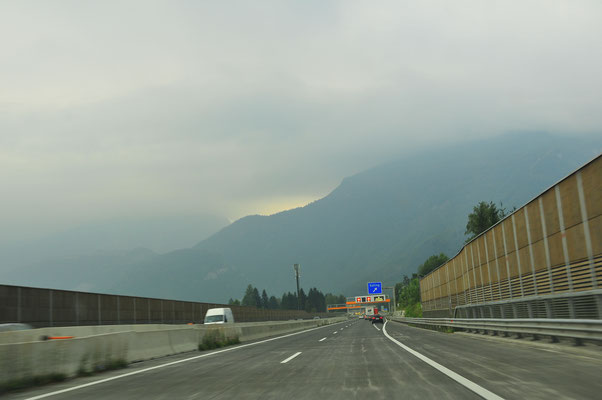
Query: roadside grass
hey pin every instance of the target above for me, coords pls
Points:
(109, 365)
(40, 380)
(215, 340)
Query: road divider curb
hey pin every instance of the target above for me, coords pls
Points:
(34, 358)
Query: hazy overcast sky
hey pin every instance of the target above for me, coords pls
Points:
(136, 108)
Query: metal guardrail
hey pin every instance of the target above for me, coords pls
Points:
(588, 329)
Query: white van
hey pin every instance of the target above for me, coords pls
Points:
(219, 316)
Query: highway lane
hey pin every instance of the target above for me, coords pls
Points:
(350, 360)
(511, 368)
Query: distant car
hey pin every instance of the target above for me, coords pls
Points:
(316, 317)
(378, 319)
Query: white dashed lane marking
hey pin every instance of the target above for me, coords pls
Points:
(290, 358)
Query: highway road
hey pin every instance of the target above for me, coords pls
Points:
(353, 360)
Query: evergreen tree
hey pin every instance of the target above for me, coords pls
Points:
(249, 299)
(264, 299)
(483, 217)
(273, 303)
(302, 299)
(256, 298)
(289, 301)
(334, 299)
(430, 264)
(284, 301)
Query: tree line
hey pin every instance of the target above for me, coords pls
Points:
(313, 301)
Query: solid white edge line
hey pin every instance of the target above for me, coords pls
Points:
(481, 391)
(321, 340)
(41, 396)
(290, 358)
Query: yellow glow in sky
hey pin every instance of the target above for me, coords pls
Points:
(277, 204)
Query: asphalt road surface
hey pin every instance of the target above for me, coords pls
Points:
(353, 360)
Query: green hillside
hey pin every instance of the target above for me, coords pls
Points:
(377, 225)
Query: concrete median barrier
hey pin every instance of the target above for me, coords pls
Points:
(32, 335)
(128, 343)
(66, 357)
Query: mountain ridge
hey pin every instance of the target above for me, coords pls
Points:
(378, 224)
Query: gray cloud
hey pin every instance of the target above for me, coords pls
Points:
(144, 108)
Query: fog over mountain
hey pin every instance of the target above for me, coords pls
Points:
(164, 108)
(94, 241)
(376, 225)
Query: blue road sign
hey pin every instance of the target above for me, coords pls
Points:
(375, 287)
